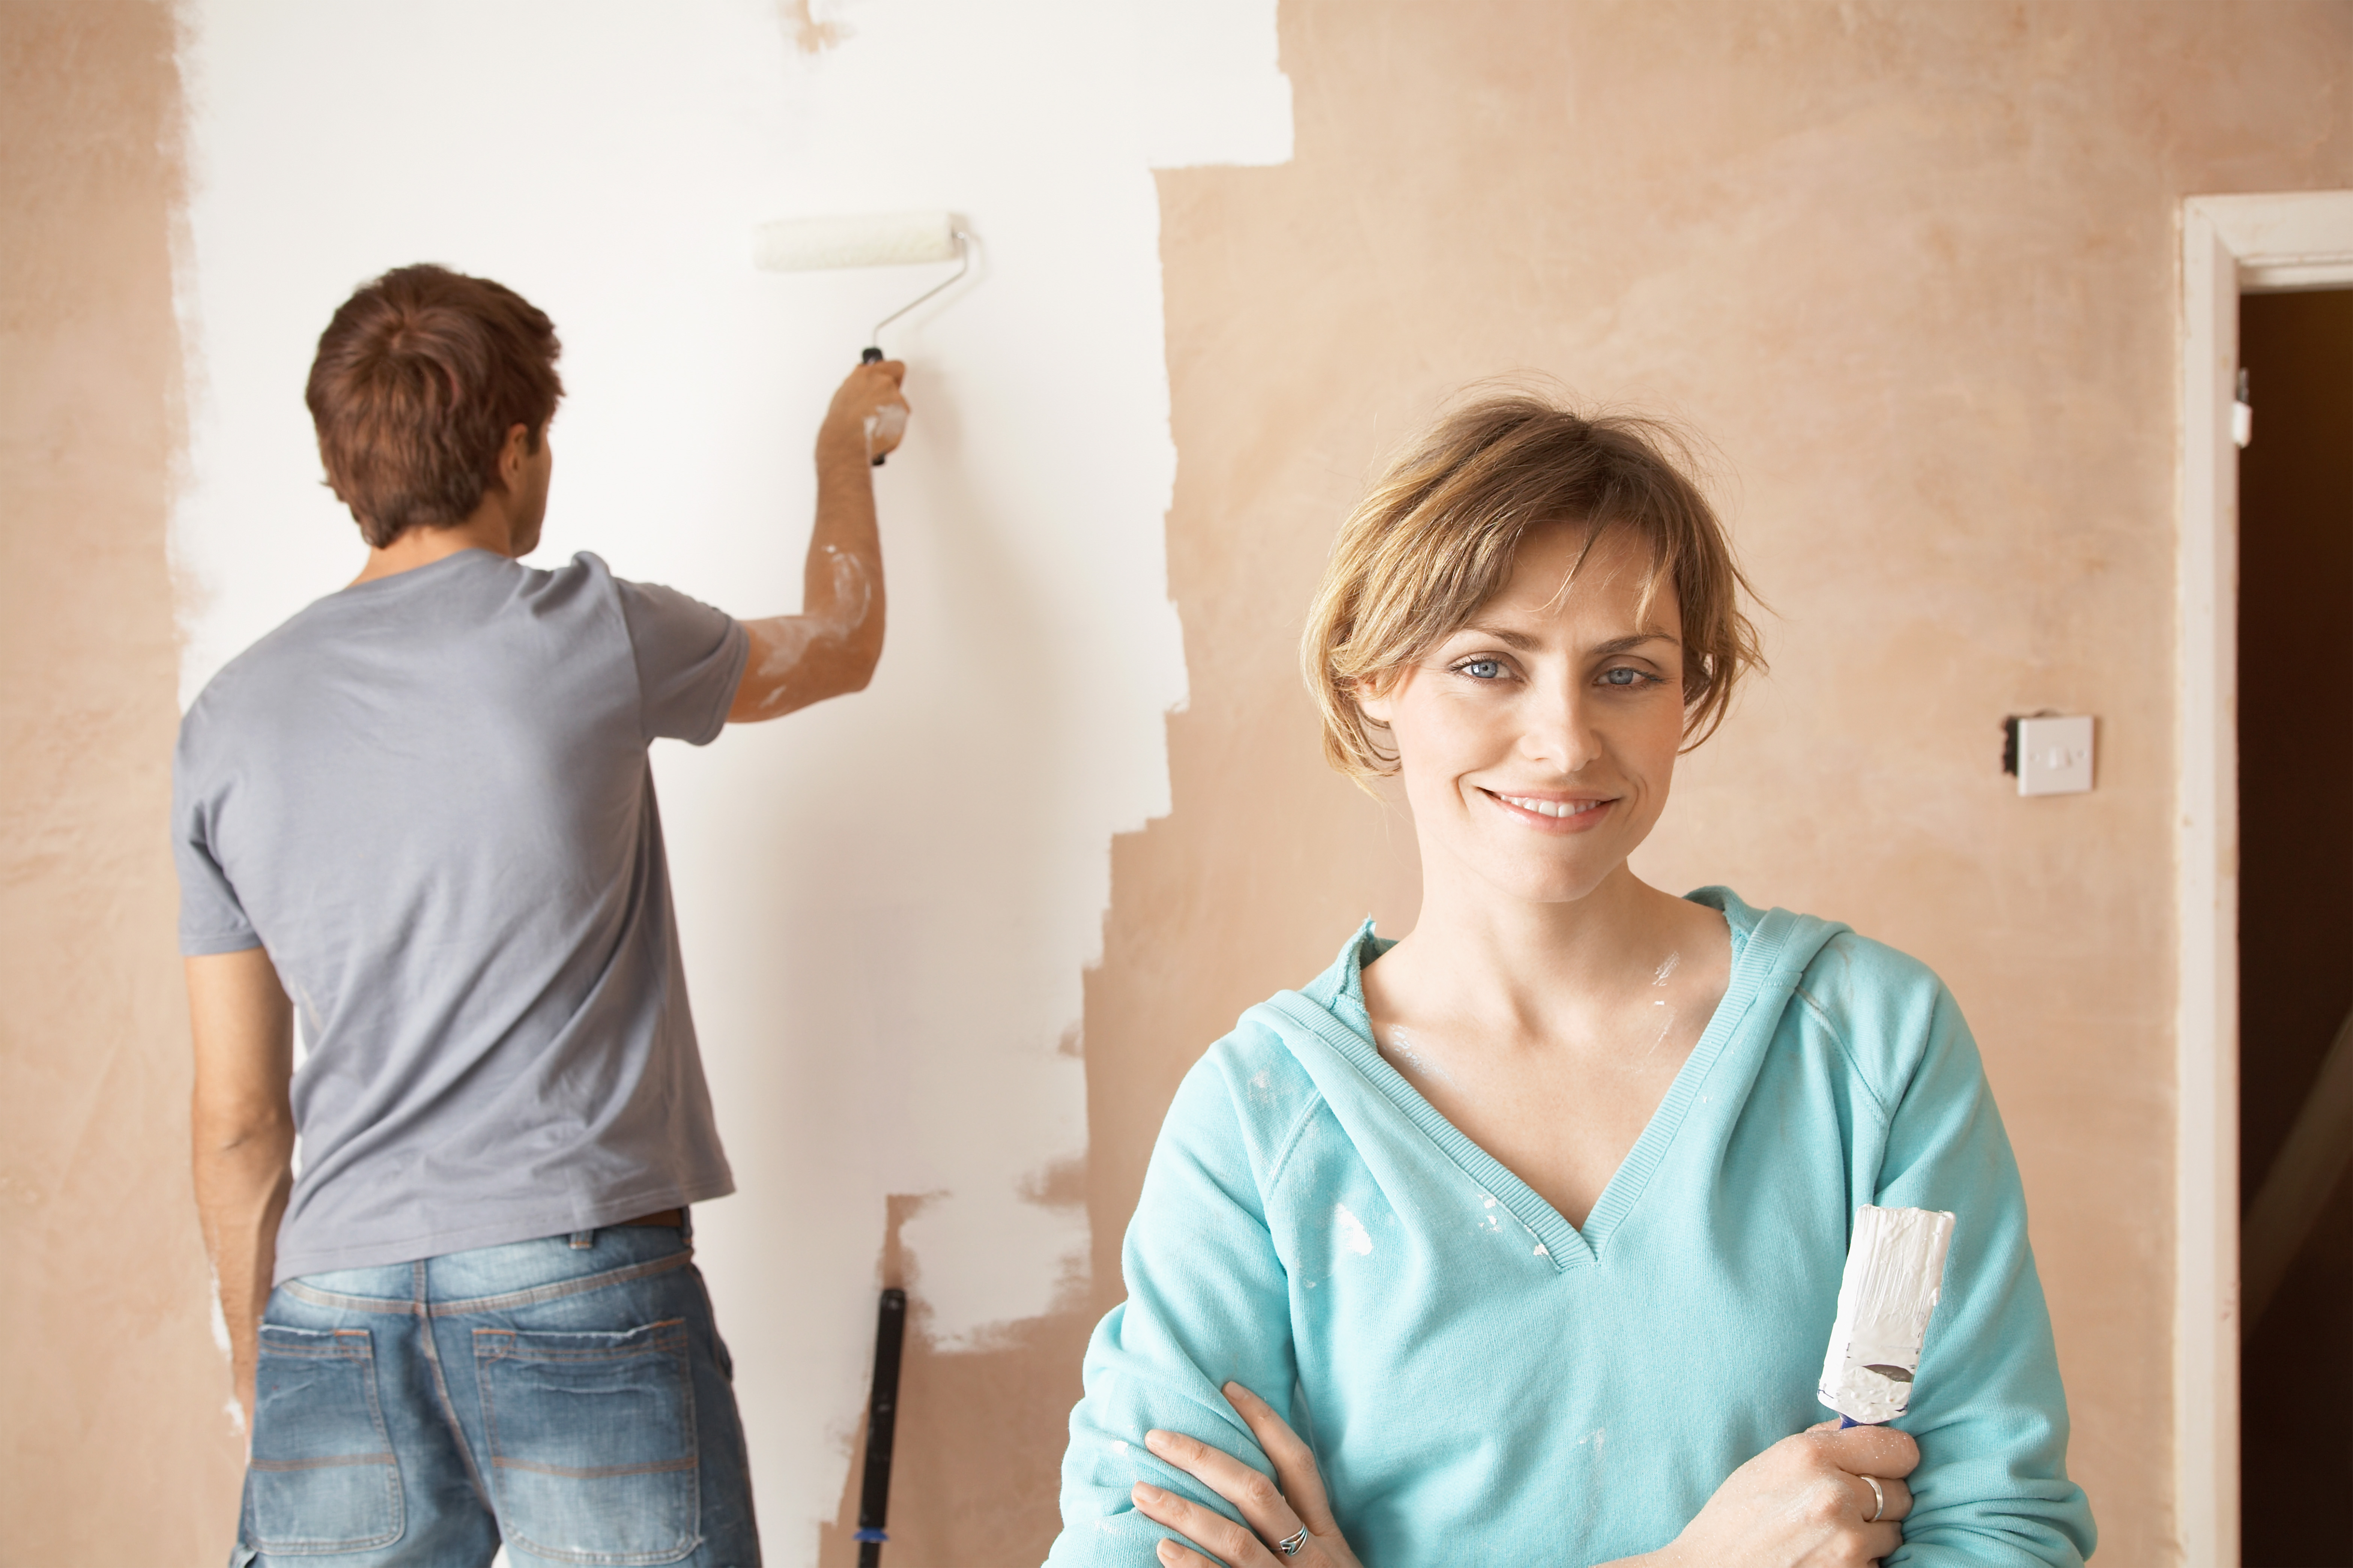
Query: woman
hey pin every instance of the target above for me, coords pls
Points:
(1533, 1220)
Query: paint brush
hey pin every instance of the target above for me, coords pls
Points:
(1895, 1274)
(878, 239)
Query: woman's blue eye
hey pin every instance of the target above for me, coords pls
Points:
(1483, 668)
(1622, 677)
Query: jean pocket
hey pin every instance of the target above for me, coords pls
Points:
(322, 1478)
(591, 1443)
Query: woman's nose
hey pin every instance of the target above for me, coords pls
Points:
(1556, 730)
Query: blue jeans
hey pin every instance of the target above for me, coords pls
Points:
(570, 1397)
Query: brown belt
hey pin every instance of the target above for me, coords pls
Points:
(673, 1217)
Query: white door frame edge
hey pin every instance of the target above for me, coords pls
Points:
(2229, 246)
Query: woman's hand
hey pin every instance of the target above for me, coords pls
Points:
(1279, 1510)
(1802, 1504)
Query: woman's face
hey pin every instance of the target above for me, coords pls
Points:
(1538, 742)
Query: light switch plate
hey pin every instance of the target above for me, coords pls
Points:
(2054, 755)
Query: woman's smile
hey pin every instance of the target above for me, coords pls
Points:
(1551, 812)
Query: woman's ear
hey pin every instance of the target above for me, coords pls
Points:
(1376, 697)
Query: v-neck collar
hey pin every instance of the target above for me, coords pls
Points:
(1346, 1027)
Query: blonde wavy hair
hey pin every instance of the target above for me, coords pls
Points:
(1434, 539)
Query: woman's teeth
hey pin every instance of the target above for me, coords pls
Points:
(1550, 807)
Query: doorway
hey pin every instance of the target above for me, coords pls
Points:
(2295, 694)
(2232, 246)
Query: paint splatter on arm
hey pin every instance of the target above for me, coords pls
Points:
(832, 647)
(799, 660)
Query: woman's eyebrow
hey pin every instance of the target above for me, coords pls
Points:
(1527, 642)
(1628, 643)
(1522, 641)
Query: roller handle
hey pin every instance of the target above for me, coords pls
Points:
(881, 1417)
(871, 355)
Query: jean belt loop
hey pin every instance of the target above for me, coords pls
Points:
(685, 1222)
(582, 1240)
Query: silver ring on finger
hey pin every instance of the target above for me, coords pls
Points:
(1290, 1544)
(1879, 1494)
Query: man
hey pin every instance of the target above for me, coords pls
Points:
(419, 817)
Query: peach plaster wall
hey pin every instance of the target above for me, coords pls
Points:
(113, 1447)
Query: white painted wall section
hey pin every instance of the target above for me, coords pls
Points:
(888, 900)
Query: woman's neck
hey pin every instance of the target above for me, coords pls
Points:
(1534, 969)
(1548, 1033)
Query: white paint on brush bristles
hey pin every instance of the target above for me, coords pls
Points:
(1894, 1275)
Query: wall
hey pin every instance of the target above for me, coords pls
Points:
(114, 1444)
(1909, 267)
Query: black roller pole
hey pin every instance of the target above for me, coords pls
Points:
(881, 1416)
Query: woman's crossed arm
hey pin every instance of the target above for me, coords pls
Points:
(1805, 1502)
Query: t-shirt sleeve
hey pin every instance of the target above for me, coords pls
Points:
(1989, 1413)
(211, 919)
(690, 660)
(1208, 1301)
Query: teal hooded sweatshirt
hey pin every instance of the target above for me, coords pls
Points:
(1485, 1383)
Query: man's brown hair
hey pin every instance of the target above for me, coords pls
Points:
(417, 380)
(1434, 539)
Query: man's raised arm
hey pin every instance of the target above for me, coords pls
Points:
(832, 646)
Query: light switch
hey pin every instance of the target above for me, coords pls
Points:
(2054, 755)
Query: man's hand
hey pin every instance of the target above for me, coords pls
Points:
(244, 1136)
(832, 647)
(869, 412)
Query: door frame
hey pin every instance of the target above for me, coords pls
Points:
(2229, 246)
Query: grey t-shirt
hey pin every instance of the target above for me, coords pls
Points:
(428, 798)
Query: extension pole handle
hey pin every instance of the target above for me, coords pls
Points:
(881, 1421)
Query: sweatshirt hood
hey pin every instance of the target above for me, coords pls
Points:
(1786, 942)
(1328, 1031)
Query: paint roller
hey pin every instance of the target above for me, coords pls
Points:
(1894, 1276)
(878, 239)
